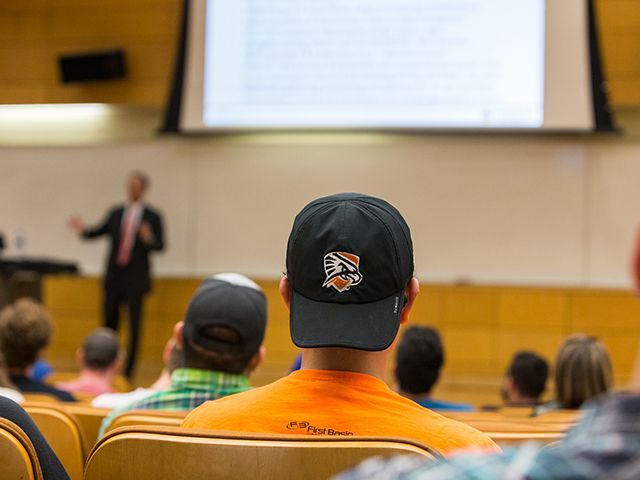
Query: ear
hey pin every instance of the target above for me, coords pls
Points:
(285, 291)
(178, 334)
(411, 292)
(256, 360)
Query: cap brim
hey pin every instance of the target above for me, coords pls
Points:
(364, 326)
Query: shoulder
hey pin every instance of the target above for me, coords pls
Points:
(151, 211)
(231, 406)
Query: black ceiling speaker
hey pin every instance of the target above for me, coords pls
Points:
(91, 66)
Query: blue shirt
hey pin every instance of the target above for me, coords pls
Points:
(445, 406)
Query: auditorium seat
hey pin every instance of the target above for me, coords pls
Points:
(62, 432)
(510, 439)
(19, 459)
(144, 453)
(148, 417)
(40, 398)
(90, 419)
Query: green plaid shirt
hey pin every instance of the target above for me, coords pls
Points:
(190, 387)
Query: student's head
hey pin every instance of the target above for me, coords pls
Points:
(100, 351)
(25, 330)
(5, 381)
(583, 371)
(137, 185)
(525, 379)
(224, 326)
(349, 282)
(419, 359)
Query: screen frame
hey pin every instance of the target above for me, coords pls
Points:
(174, 122)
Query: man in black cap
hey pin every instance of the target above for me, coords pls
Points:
(349, 285)
(221, 341)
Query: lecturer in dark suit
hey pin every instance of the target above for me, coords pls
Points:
(135, 230)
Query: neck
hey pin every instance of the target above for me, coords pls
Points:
(97, 376)
(163, 382)
(346, 360)
(416, 397)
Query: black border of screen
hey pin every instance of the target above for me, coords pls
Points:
(602, 116)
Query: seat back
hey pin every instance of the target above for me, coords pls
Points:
(90, 420)
(142, 453)
(62, 432)
(19, 459)
(40, 398)
(148, 418)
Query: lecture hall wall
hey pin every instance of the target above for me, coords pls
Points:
(518, 240)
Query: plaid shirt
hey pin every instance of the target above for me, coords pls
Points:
(190, 388)
(604, 445)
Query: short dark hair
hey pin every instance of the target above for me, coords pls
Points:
(419, 359)
(233, 360)
(25, 330)
(529, 372)
(100, 349)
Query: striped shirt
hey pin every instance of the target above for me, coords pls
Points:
(190, 387)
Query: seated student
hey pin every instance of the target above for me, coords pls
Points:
(525, 380)
(221, 342)
(349, 285)
(51, 467)
(604, 445)
(583, 371)
(25, 331)
(8, 389)
(419, 359)
(172, 358)
(100, 360)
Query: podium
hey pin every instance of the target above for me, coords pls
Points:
(22, 277)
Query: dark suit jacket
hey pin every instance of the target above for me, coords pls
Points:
(135, 277)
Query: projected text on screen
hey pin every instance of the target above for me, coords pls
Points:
(374, 63)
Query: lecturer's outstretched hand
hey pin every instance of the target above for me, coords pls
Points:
(76, 224)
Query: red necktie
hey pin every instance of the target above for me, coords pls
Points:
(126, 239)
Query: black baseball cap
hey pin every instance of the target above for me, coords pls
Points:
(349, 258)
(230, 300)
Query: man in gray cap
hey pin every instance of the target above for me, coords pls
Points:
(221, 341)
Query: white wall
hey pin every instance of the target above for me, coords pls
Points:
(529, 210)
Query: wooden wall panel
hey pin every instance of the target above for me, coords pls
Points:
(482, 327)
(148, 29)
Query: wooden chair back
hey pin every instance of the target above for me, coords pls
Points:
(144, 453)
(19, 458)
(40, 398)
(90, 420)
(148, 418)
(510, 439)
(63, 433)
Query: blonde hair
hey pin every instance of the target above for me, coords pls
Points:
(583, 371)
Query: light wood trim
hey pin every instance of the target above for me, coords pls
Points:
(167, 451)
(63, 433)
(147, 418)
(15, 446)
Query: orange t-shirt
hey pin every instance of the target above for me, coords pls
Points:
(326, 402)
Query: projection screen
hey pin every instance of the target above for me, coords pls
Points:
(250, 65)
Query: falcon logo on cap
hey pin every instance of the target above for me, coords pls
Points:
(342, 270)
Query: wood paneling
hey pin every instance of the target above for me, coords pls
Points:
(34, 32)
(482, 327)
